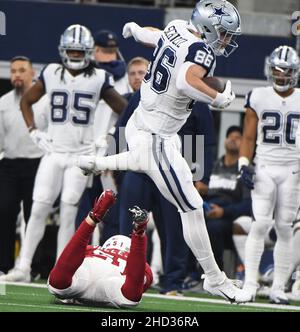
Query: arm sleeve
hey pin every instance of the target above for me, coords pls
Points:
(107, 84)
(201, 54)
(146, 36)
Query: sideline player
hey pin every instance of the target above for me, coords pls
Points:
(74, 89)
(185, 53)
(115, 274)
(272, 114)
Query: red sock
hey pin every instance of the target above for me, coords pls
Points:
(71, 258)
(133, 287)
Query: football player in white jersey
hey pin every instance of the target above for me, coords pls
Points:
(115, 274)
(74, 89)
(271, 121)
(185, 53)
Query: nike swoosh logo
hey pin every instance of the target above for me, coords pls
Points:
(230, 299)
(295, 172)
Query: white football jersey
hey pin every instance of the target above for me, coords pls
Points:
(73, 101)
(99, 279)
(278, 120)
(15, 141)
(163, 109)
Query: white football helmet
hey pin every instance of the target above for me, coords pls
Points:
(76, 38)
(218, 22)
(282, 68)
(119, 242)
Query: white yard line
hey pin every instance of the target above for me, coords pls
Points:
(49, 307)
(185, 298)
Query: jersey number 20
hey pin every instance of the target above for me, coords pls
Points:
(277, 128)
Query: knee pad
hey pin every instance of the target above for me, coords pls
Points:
(40, 210)
(284, 232)
(260, 227)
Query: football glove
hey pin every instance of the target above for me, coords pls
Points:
(128, 29)
(246, 175)
(225, 98)
(41, 139)
(86, 163)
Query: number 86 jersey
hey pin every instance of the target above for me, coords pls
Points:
(73, 101)
(163, 108)
(278, 120)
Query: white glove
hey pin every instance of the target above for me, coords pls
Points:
(128, 29)
(225, 98)
(86, 163)
(41, 139)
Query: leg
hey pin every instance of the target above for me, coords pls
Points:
(135, 190)
(74, 183)
(9, 210)
(136, 266)
(174, 180)
(71, 257)
(241, 228)
(73, 254)
(285, 213)
(27, 186)
(263, 202)
(46, 189)
(176, 252)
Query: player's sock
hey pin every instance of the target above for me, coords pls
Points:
(133, 287)
(282, 257)
(240, 244)
(67, 226)
(34, 233)
(71, 257)
(253, 252)
(196, 237)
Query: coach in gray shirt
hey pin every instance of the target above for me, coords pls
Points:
(20, 161)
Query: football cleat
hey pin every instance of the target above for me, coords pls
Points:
(140, 219)
(102, 204)
(16, 275)
(228, 289)
(277, 296)
(251, 289)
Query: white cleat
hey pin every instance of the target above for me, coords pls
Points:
(228, 289)
(278, 296)
(16, 275)
(251, 289)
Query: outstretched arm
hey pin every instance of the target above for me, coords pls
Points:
(146, 35)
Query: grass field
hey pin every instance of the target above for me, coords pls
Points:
(36, 298)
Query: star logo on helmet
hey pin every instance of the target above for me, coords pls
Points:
(219, 13)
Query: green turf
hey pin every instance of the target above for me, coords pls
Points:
(29, 299)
